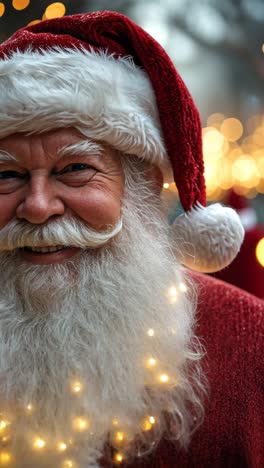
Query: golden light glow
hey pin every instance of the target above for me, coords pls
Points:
(33, 22)
(182, 287)
(115, 422)
(151, 362)
(2, 9)
(3, 425)
(5, 458)
(260, 251)
(148, 423)
(172, 294)
(151, 332)
(62, 446)
(164, 378)
(118, 458)
(232, 129)
(29, 407)
(69, 464)
(80, 424)
(39, 443)
(20, 4)
(76, 386)
(119, 437)
(166, 185)
(152, 420)
(55, 10)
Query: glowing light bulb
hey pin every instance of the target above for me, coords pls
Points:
(29, 407)
(80, 424)
(152, 420)
(260, 252)
(5, 458)
(119, 436)
(62, 446)
(69, 464)
(151, 332)
(115, 422)
(39, 443)
(164, 378)
(172, 294)
(152, 362)
(3, 425)
(182, 287)
(166, 185)
(76, 387)
(118, 457)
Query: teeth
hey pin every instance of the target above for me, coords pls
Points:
(46, 249)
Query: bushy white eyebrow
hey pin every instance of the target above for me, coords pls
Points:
(6, 157)
(84, 147)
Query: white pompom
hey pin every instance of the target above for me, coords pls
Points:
(208, 238)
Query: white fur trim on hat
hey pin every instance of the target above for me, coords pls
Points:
(106, 98)
(208, 238)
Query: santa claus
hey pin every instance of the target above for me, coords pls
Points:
(111, 351)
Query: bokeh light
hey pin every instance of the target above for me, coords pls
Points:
(20, 4)
(54, 10)
(2, 9)
(260, 251)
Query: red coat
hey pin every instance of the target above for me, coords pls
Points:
(231, 326)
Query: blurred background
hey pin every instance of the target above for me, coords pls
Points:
(218, 48)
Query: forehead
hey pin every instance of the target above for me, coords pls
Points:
(53, 144)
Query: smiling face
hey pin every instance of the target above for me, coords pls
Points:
(45, 177)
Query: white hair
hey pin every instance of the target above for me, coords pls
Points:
(113, 318)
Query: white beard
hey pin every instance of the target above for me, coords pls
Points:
(87, 320)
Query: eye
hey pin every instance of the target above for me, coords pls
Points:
(4, 175)
(76, 167)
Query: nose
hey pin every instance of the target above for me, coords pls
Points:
(40, 202)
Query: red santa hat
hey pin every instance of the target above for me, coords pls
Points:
(106, 76)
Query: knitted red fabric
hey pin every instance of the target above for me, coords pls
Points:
(231, 327)
(119, 35)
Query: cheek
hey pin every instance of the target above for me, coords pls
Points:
(7, 209)
(97, 208)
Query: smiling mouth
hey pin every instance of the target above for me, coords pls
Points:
(44, 250)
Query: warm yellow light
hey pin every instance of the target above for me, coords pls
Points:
(232, 129)
(29, 407)
(62, 446)
(119, 437)
(245, 171)
(69, 464)
(260, 251)
(2, 9)
(33, 22)
(3, 425)
(166, 185)
(118, 457)
(146, 425)
(55, 10)
(80, 424)
(39, 443)
(213, 140)
(5, 458)
(151, 332)
(152, 362)
(164, 378)
(215, 120)
(152, 420)
(115, 422)
(182, 287)
(172, 294)
(76, 387)
(20, 4)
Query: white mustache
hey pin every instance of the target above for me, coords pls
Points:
(67, 231)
